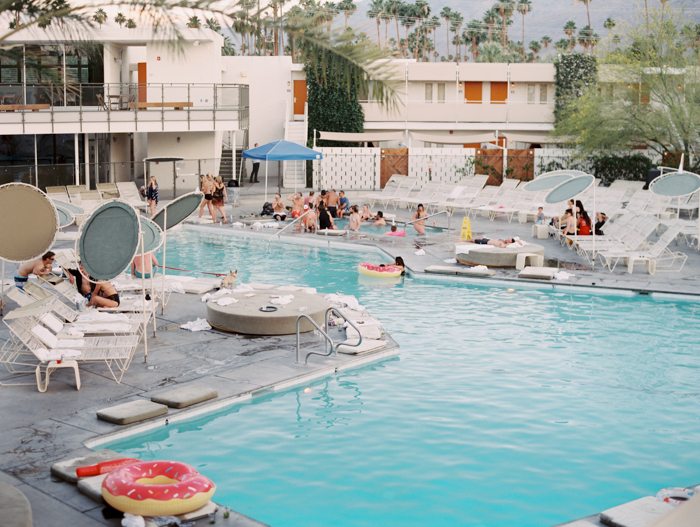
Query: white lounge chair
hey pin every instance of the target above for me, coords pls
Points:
(90, 200)
(658, 255)
(108, 191)
(389, 190)
(130, 193)
(424, 196)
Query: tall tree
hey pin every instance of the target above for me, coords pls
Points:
(387, 17)
(570, 30)
(562, 45)
(100, 17)
(120, 19)
(446, 13)
(545, 41)
(376, 8)
(213, 24)
(395, 8)
(474, 33)
(408, 20)
(491, 18)
(588, 12)
(609, 25)
(455, 26)
(505, 8)
(348, 8)
(524, 7)
(130, 24)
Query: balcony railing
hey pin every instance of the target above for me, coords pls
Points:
(181, 102)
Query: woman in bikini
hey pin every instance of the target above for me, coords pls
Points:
(206, 183)
(104, 295)
(218, 198)
(419, 225)
(152, 194)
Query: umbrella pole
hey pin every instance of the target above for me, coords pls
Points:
(265, 179)
(2, 300)
(165, 240)
(143, 301)
(593, 226)
(153, 297)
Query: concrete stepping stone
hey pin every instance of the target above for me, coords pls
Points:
(365, 347)
(15, 510)
(66, 469)
(185, 396)
(464, 271)
(132, 412)
(92, 487)
(636, 513)
(537, 273)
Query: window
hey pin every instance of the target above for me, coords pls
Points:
(499, 92)
(472, 92)
(531, 94)
(543, 94)
(441, 92)
(429, 92)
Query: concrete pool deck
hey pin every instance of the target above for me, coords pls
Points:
(41, 429)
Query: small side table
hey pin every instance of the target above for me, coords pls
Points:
(540, 231)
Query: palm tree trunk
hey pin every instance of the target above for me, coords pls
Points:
(646, 10)
(386, 32)
(447, 31)
(523, 34)
(398, 37)
(379, 41)
(588, 13)
(504, 30)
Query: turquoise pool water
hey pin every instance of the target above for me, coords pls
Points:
(524, 408)
(368, 228)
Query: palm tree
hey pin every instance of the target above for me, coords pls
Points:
(446, 13)
(506, 8)
(588, 13)
(535, 47)
(455, 26)
(100, 17)
(395, 7)
(562, 45)
(213, 24)
(408, 20)
(375, 11)
(492, 52)
(524, 7)
(663, 5)
(491, 19)
(570, 29)
(194, 22)
(474, 32)
(584, 38)
(546, 41)
(387, 17)
(646, 10)
(130, 24)
(348, 8)
(120, 19)
(434, 24)
(228, 49)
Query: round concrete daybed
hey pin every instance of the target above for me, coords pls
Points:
(245, 316)
(491, 256)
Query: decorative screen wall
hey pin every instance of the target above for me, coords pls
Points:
(447, 165)
(348, 168)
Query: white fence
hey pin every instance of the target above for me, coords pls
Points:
(447, 165)
(348, 168)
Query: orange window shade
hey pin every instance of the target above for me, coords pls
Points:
(499, 92)
(472, 145)
(472, 92)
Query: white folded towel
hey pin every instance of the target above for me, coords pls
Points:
(196, 325)
(451, 260)
(563, 275)
(226, 301)
(281, 300)
(420, 252)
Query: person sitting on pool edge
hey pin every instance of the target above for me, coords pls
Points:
(398, 262)
(395, 232)
(487, 241)
(104, 295)
(379, 219)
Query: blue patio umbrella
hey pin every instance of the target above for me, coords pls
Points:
(281, 151)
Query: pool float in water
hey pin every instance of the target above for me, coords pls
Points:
(157, 488)
(675, 495)
(389, 271)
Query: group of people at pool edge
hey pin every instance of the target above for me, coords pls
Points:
(319, 211)
(579, 224)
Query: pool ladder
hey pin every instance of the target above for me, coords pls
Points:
(325, 335)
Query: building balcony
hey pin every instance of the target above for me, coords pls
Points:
(122, 108)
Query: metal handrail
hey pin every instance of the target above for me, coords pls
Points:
(328, 339)
(449, 217)
(334, 310)
(286, 227)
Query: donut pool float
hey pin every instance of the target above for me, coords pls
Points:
(388, 271)
(157, 488)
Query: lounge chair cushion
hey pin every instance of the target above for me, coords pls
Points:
(52, 341)
(45, 355)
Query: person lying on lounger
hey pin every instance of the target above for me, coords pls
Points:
(487, 241)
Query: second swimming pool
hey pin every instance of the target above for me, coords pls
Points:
(524, 407)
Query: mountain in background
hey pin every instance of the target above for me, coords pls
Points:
(546, 18)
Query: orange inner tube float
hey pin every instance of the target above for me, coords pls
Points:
(157, 488)
(369, 269)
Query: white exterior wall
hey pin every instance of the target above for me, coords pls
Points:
(348, 168)
(193, 145)
(270, 81)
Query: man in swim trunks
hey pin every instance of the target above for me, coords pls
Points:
(104, 295)
(332, 201)
(279, 208)
(40, 267)
(297, 204)
(487, 241)
(143, 266)
(343, 204)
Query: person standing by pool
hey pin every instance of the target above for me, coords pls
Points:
(40, 267)
(152, 194)
(332, 203)
(297, 204)
(310, 198)
(256, 167)
(206, 186)
(420, 224)
(279, 208)
(321, 199)
(218, 198)
(379, 219)
(325, 221)
(354, 223)
(343, 204)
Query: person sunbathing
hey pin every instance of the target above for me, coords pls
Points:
(104, 295)
(488, 241)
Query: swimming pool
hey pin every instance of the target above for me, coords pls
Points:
(504, 408)
(368, 228)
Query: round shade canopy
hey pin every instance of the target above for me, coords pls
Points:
(178, 210)
(547, 182)
(675, 184)
(108, 240)
(569, 189)
(76, 211)
(572, 173)
(28, 222)
(152, 235)
(65, 217)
